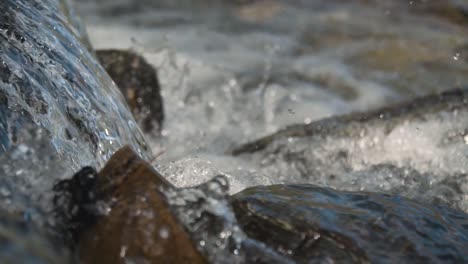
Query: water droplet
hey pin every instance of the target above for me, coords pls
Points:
(466, 139)
(164, 233)
(232, 82)
(123, 251)
(5, 192)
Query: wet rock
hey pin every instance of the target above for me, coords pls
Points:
(28, 174)
(312, 224)
(138, 82)
(22, 242)
(353, 125)
(206, 213)
(121, 215)
(420, 143)
(451, 11)
(128, 212)
(51, 80)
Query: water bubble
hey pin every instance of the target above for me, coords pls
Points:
(5, 192)
(164, 233)
(123, 251)
(466, 139)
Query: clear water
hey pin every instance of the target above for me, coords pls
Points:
(59, 109)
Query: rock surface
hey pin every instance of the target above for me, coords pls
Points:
(49, 79)
(419, 146)
(139, 83)
(311, 224)
(128, 212)
(123, 216)
(353, 125)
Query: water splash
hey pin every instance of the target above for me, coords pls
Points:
(227, 78)
(207, 214)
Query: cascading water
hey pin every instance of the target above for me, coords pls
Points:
(59, 109)
(230, 73)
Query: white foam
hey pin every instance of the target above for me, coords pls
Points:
(225, 83)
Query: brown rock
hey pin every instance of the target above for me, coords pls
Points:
(259, 11)
(137, 224)
(138, 82)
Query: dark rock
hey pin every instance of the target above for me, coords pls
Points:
(315, 225)
(121, 215)
(414, 149)
(52, 81)
(207, 215)
(352, 125)
(129, 212)
(138, 82)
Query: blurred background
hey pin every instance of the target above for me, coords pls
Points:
(232, 71)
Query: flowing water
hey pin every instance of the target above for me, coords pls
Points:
(232, 72)
(53, 120)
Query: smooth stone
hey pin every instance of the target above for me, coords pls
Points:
(312, 224)
(416, 149)
(352, 125)
(51, 80)
(138, 82)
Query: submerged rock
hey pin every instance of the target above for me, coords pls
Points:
(311, 224)
(422, 141)
(49, 79)
(206, 213)
(59, 109)
(21, 242)
(139, 83)
(353, 125)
